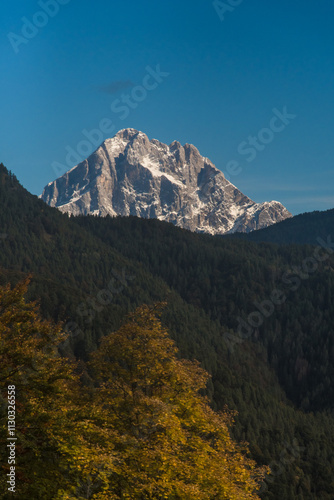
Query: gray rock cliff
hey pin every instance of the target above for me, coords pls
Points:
(131, 175)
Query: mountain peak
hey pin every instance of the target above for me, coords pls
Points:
(175, 145)
(132, 175)
(129, 133)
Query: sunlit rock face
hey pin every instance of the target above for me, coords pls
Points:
(131, 175)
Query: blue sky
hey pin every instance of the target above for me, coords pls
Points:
(226, 80)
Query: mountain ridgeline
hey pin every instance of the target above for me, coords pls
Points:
(271, 360)
(306, 228)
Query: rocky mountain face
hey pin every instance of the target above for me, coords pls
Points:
(131, 175)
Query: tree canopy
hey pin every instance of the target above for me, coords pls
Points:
(142, 430)
(171, 444)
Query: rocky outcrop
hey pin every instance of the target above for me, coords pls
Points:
(131, 175)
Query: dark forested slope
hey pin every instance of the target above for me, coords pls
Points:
(89, 272)
(276, 297)
(305, 228)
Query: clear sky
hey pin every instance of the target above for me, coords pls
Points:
(228, 68)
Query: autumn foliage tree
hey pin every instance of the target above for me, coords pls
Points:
(58, 452)
(142, 430)
(170, 444)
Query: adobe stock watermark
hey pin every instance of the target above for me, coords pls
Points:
(103, 298)
(223, 7)
(293, 279)
(122, 108)
(11, 444)
(288, 455)
(255, 144)
(31, 27)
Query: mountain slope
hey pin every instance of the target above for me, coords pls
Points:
(233, 281)
(131, 175)
(208, 282)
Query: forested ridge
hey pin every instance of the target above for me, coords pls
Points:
(90, 272)
(304, 228)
